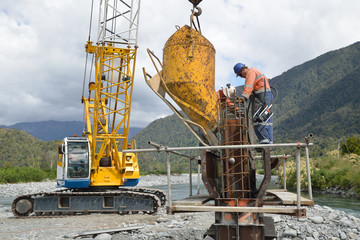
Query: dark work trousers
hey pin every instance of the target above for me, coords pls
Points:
(264, 130)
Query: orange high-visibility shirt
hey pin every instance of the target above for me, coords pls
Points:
(254, 82)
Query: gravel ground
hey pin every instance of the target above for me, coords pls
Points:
(320, 223)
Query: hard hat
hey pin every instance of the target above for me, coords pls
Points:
(228, 85)
(238, 67)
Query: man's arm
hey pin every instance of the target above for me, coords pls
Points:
(249, 84)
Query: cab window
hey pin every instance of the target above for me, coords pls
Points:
(78, 160)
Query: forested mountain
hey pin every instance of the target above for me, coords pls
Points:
(18, 148)
(168, 131)
(320, 96)
(55, 130)
(49, 130)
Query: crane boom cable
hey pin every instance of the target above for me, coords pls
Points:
(113, 29)
(85, 69)
(86, 58)
(91, 16)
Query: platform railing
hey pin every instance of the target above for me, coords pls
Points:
(296, 154)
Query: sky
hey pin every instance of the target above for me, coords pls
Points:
(42, 54)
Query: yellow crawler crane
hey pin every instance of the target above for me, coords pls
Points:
(91, 168)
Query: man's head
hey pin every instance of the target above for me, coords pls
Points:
(228, 85)
(238, 69)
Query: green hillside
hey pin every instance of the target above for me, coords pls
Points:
(18, 148)
(320, 96)
(168, 131)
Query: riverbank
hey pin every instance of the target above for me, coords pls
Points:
(331, 173)
(321, 222)
(349, 193)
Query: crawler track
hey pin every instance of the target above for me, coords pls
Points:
(70, 202)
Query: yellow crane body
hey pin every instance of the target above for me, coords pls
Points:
(107, 115)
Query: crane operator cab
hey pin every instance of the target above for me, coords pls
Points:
(73, 163)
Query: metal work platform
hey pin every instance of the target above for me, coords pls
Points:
(274, 202)
(286, 198)
(239, 214)
(195, 200)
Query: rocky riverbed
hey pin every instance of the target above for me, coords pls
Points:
(320, 223)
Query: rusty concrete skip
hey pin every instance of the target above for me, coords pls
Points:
(189, 73)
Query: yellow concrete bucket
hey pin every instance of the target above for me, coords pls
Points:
(189, 76)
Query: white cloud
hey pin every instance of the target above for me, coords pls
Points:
(42, 47)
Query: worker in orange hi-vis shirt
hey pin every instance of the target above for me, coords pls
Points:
(257, 86)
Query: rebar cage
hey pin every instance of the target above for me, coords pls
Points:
(233, 129)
